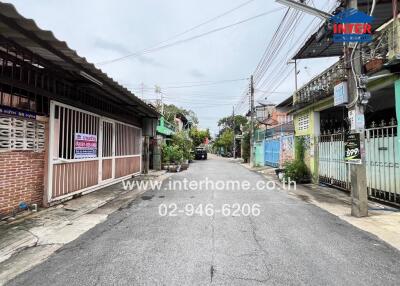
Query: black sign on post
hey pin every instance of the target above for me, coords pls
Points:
(352, 148)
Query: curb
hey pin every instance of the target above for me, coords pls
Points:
(30, 240)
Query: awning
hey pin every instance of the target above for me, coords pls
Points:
(320, 43)
(27, 34)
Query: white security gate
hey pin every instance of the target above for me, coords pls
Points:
(332, 168)
(383, 163)
(88, 151)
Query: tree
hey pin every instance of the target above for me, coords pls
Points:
(171, 110)
(199, 136)
(246, 147)
(232, 123)
(184, 143)
(225, 140)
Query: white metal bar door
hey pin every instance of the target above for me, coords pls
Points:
(71, 172)
(113, 155)
(107, 150)
(333, 169)
(383, 163)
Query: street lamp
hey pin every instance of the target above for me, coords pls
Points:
(303, 7)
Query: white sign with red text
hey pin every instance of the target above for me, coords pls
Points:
(85, 146)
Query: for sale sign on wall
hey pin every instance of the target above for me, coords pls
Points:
(85, 146)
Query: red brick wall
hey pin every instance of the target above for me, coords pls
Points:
(21, 179)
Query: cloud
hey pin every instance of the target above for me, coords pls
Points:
(149, 61)
(196, 73)
(122, 50)
(111, 46)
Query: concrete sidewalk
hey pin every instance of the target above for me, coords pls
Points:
(30, 239)
(383, 221)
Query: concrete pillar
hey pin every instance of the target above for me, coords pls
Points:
(146, 154)
(315, 132)
(359, 192)
(157, 153)
(149, 126)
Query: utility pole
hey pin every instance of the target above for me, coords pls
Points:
(252, 121)
(157, 90)
(359, 192)
(295, 73)
(234, 139)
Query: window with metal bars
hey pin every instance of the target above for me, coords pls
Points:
(303, 122)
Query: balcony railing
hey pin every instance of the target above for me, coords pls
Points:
(170, 126)
(320, 86)
(384, 49)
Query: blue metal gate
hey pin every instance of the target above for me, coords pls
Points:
(272, 150)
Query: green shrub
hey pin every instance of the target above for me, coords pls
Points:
(246, 147)
(297, 170)
(172, 154)
(184, 144)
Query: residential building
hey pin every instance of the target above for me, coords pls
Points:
(66, 128)
(273, 134)
(322, 117)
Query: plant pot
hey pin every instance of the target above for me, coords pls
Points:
(174, 168)
(373, 65)
(184, 166)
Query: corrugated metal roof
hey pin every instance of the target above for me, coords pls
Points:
(286, 102)
(43, 43)
(322, 46)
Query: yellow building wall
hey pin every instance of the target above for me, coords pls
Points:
(311, 156)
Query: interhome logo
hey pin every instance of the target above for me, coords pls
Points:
(352, 25)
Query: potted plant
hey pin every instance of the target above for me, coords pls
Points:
(184, 144)
(172, 157)
(374, 64)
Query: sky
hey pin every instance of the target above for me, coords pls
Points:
(215, 66)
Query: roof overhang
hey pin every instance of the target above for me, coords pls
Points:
(288, 102)
(42, 43)
(320, 43)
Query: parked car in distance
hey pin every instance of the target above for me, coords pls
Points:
(200, 153)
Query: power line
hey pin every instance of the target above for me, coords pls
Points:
(206, 22)
(206, 84)
(195, 27)
(151, 50)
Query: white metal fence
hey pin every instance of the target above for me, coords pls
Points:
(332, 168)
(114, 151)
(383, 163)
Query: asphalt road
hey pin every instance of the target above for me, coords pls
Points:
(291, 242)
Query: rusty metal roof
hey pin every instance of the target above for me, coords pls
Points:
(320, 43)
(43, 43)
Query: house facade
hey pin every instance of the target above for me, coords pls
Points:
(273, 139)
(323, 118)
(66, 128)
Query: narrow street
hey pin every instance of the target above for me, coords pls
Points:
(291, 242)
